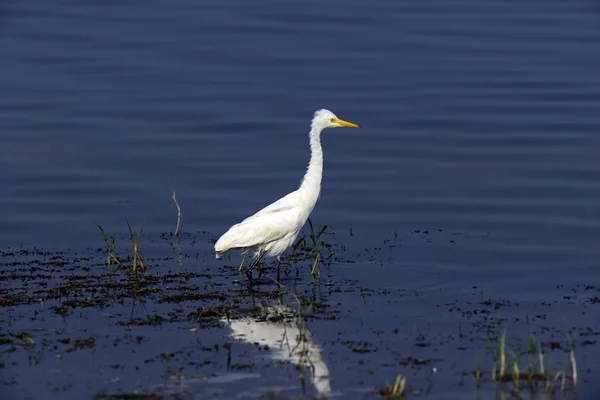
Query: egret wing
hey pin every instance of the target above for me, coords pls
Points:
(263, 227)
(286, 202)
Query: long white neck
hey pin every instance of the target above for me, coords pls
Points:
(311, 183)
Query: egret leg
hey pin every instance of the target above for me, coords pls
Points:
(254, 264)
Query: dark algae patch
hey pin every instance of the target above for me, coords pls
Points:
(201, 331)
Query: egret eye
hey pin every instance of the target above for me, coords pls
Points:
(332, 119)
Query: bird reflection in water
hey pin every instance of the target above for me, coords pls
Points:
(287, 338)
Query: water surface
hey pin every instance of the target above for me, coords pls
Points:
(479, 119)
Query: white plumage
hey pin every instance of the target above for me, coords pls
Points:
(274, 229)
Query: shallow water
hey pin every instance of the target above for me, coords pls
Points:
(480, 126)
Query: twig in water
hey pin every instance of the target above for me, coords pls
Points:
(179, 213)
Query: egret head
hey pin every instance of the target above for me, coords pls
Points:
(326, 119)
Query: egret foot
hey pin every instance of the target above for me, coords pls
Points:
(249, 275)
(251, 268)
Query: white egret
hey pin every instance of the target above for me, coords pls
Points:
(274, 229)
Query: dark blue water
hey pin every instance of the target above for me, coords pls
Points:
(478, 117)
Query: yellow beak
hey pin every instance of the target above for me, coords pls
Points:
(345, 123)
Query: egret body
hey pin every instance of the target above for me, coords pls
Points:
(274, 229)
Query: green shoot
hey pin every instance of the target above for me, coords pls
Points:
(502, 352)
(318, 245)
(533, 374)
(242, 263)
(135, 245)
(396, 391)
(110, 242)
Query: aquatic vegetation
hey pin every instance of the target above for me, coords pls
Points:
(135, 248)
(537, 374)
(395, 391)
(111, 247)
(313, 251)
(318, 246)
(282, 324)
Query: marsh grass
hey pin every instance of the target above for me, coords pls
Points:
(135, 239)
(318, 245)
(111, 247)
(245, 253)
(313, 248)
(395, 391)
(514, 369)
(536, 374)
